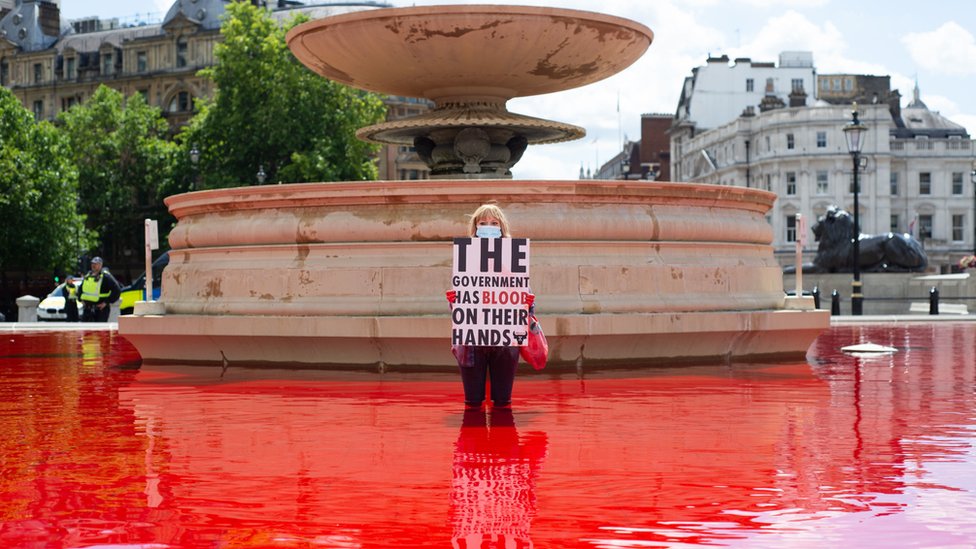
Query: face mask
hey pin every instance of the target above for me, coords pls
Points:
(489, 231)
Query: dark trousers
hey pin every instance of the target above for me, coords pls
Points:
(479, 364)
(70, 310)
(92, 313)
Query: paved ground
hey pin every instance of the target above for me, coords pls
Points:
(55, 326)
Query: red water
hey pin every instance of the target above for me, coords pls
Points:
(839, 451)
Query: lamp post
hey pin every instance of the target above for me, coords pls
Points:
(854, 133)
(261, 175)
(194, 159)
(972, 178)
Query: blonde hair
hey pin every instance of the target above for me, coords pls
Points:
(489, 210)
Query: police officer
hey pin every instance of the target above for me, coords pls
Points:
(70, 293)
(99, 290)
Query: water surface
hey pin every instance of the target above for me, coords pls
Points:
(836, 451)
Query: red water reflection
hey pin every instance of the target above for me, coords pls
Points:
(867, 451)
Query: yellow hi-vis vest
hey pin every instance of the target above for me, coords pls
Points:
(72, 292)
(91, 288)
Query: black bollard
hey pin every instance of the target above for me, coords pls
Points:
(816, 297)
(834, 303)
(934, 301)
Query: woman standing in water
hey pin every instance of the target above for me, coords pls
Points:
(478, 364)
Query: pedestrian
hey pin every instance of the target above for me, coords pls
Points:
(99, 290)
(479, 364)
(70, 293)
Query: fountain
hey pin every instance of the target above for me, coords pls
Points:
(353, 274)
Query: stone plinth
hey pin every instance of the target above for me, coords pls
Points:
(27, 308)
(354, 273)
(890, 293)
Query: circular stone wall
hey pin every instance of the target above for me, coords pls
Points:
(607, 258)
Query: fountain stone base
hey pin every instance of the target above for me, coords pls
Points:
(333, 275)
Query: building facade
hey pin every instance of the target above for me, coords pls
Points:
(51, 65)
(718, 92)
(648, 159)
(916, 178)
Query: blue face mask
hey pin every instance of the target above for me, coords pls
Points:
(488, 231)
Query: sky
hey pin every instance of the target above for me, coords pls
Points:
(933, 43)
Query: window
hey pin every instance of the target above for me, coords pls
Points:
(768, 147)
(4, 73)
(107, 66)
(791, 228)
(38, 109)
(37, 73)
(957, 222)
(142, 62)
(769, 182)
(822, 186)
(790, 141)
(850, 186)
(894, 183)
(848, 84)
(180, 102)
(796, 84)
(70, 65)
(790, 183)
(924, 226)
(895, 223)
(181, 47)
(750, 85)
(835, 84)
(925, 183)
(957, 183)
(821, 140)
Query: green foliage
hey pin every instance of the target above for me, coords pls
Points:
(124, 159)
(271, 112)
(41, 227)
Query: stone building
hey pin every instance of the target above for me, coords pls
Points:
(51, 64)
(916, 178)
(648, 159)
(718, 92)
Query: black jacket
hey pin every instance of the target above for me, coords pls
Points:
(108, 283)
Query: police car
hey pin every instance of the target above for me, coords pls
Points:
(137, 290)
(52, 306)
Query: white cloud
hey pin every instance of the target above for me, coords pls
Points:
(949, 49)
(790, 32)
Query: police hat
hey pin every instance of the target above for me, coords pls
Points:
(96, 259)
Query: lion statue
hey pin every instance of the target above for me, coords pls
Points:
(878, 253)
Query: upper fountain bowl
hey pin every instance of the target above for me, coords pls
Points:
(467, 53)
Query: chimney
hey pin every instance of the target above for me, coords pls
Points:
(798, 97)
(50, 18)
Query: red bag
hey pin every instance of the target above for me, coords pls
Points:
(536, 350)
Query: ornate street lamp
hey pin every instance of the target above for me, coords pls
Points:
(854, 133)
(195, 160)
(261, 175)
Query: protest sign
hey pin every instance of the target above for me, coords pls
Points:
(491, 278)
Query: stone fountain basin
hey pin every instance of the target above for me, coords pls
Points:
(467, 52)
(354, 274)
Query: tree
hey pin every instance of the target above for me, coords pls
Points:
(124, 159)
(41, 228)
(271, 113)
